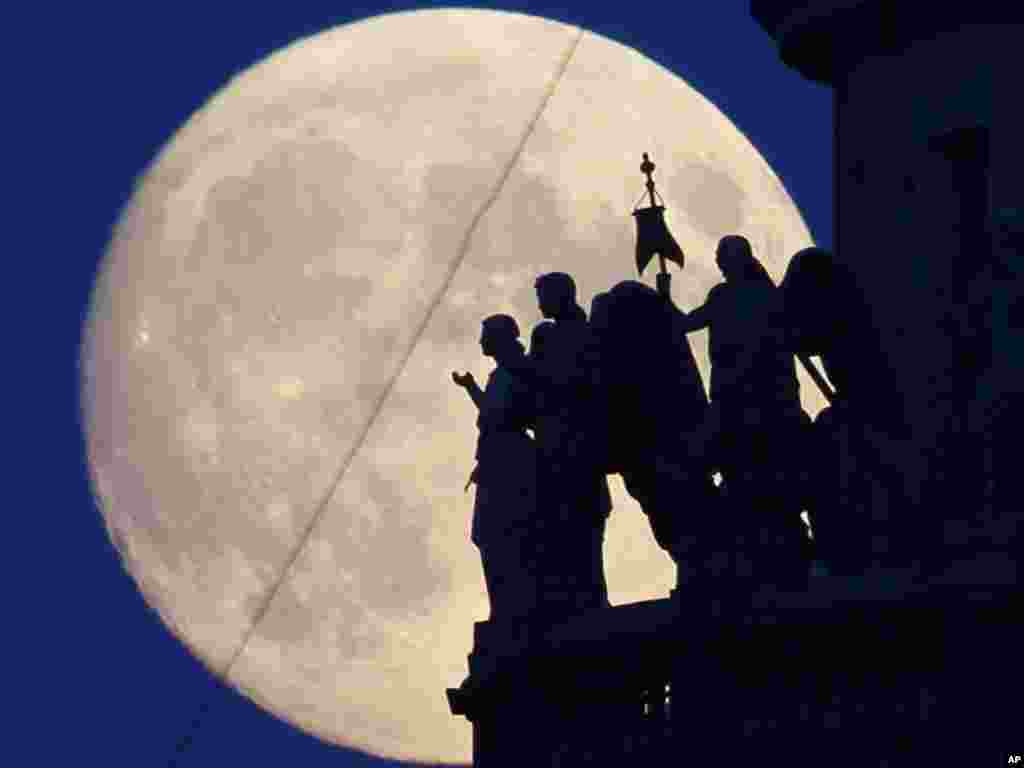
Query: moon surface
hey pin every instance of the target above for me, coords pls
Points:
(275, 442)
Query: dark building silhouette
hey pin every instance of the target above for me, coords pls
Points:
(911, 657)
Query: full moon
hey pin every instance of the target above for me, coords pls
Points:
(275, 442)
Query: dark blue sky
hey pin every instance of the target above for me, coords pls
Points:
(104, 683)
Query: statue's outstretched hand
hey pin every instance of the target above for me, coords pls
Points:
(464, 380)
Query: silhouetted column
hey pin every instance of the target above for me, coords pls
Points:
(926, 149)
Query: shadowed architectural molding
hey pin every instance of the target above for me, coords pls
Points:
(822, 39)
(853, 673)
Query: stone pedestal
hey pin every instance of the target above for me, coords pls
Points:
(877, 669)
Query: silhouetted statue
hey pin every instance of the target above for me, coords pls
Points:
(858, 458)
(755, 418)
(574, 497)
(653, 397)
(827, 316)
(505, 507)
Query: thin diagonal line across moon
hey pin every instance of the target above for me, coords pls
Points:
(231, 381)
(378, 405)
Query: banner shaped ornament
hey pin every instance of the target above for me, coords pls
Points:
(653, 238)
(652, 235)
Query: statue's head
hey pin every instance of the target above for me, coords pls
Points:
(556, 293)
(735, 259)
(816, 293)
(637, 326)
(811, 263)
(498, 334)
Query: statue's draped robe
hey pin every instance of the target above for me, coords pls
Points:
(654, 398)
(861, 460)
(574, 497)
(761, 434)
(505, 507)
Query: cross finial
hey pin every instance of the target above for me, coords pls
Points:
(648, 167)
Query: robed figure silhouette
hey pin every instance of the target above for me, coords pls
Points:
(652, 398)
(755, 430)
(573, 491)
(505, 507)
(860, 460)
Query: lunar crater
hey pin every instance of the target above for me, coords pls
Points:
(712, 199)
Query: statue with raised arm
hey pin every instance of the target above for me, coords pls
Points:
(505, 507)
(755, 419)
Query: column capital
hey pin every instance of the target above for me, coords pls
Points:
(824, 39)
